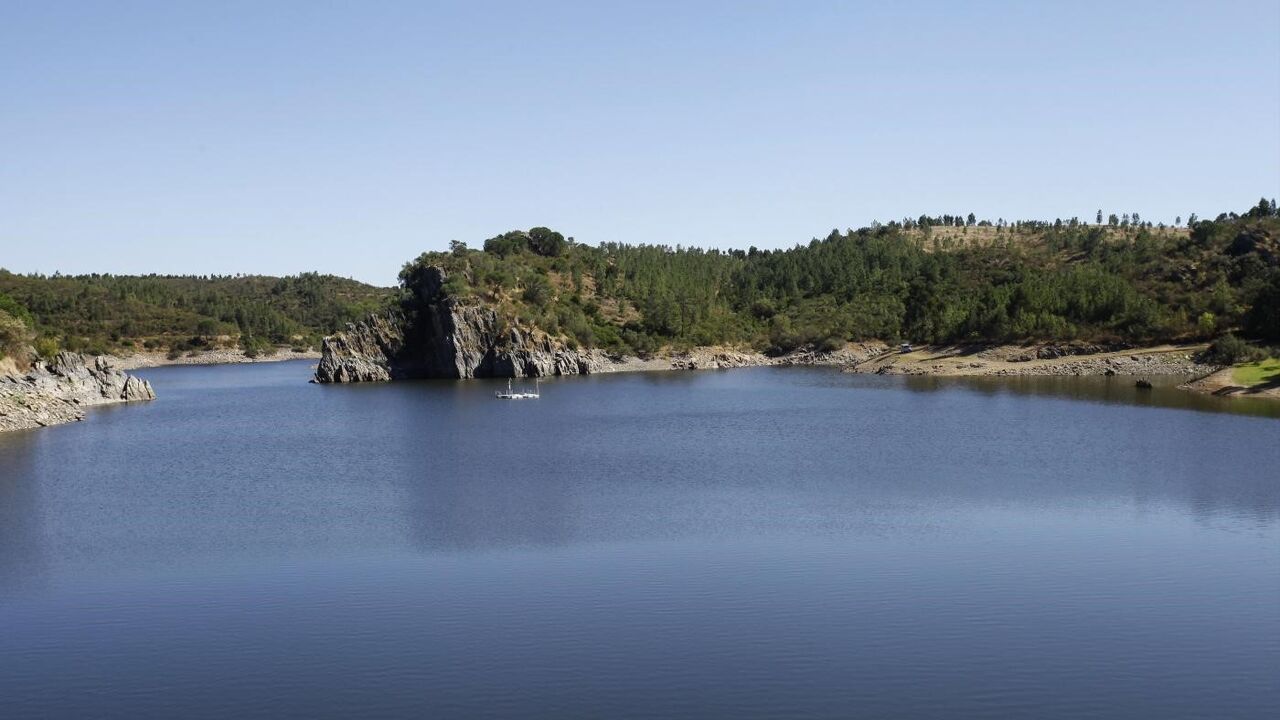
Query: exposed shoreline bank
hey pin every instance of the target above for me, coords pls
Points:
(720, 358)
(949, 361)
(1222, 383)
(867, 357)
(1059, 360)
(58, 392)
(1040, 359)
(208, 357)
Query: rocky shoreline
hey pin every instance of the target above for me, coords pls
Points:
(993, 360)
(719, 358)
(463, 341)
(1043, 359)
(222, 356)
(58, 391)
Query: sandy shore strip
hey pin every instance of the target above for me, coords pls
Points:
(207, 357)
(721, 357)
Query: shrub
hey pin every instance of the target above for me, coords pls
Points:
(538, 293)
(606, 335)
(763, 309)
(831, 344)
(13, 334)
(15, 309)
(643, 344)
(1263, 319)
(1230, 350)
(256, 346)
(46, 347)
(207, 327)
(1206, 323)
(456, 286)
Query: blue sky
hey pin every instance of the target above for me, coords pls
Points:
(347, 137)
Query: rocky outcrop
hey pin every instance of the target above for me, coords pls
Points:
(58, 391)
(446, 338)
(706, 358)
(367, 351)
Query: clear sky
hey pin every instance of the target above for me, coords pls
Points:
(347, 137)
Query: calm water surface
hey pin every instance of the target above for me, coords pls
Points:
(750, 543)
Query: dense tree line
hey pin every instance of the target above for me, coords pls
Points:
(1028, 280)
(982, 282)
(104, 313)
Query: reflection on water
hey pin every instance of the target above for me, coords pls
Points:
(759, 542)
(21, 555)
(242, 460)
(1116, 389)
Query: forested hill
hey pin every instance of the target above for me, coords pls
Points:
(121, 313)
(945, 279)
(931, 280)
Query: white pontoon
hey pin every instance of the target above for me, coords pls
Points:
(512, 395)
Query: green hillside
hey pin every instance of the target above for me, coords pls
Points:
(932, 280)
(114, 313)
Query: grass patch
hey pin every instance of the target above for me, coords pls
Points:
(1257, 373)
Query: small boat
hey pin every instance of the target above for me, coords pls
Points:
(522, 395)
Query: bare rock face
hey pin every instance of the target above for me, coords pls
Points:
(58, 391)
(363, 352)
(446, 338)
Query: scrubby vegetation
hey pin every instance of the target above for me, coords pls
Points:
(180, 314)
(943, 279)
(13, 335)
(14, 332)
(1229, 350)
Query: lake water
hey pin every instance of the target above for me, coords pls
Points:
(745, 543)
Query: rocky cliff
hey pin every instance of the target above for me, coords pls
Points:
(58, 391)
(442, 337)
